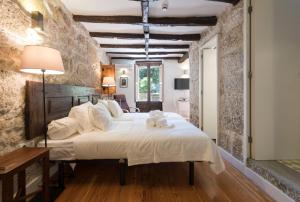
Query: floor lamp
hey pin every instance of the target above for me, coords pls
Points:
(108, 82)
(42, 60)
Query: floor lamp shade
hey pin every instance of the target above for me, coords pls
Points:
(40, 59)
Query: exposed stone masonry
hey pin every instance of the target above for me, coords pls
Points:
(81, 57)
(231, 82)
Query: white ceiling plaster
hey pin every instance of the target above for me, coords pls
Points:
(139, 41)
(103, 7)
(178, 8)
(177, 29)
(115, 28)
(187, 8)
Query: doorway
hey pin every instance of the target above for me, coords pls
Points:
(209, 89)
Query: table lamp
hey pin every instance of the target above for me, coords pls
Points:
(42, 60)
(108, 82)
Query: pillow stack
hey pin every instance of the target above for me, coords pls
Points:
(100, 116)
(113, 107)
(81, 114)
(85, 118)
(62, 128)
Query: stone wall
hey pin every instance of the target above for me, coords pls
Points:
(231, 81)
(81, 57)
(194, 83)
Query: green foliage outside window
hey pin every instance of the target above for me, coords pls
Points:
(154, 80)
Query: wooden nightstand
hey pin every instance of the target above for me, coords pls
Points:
(15, 163)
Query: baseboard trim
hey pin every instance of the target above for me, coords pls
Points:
(259, 181)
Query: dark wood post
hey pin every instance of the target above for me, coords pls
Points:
(22, 185)
(46, 196)
(191, 173)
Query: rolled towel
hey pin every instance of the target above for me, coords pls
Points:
(163, 123)
(151, 122)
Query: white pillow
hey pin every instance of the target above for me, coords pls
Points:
(81, 114)
(115, 108)
(104, 102)
(100, 117)
(62, 128)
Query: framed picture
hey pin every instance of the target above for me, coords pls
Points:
(123, 82)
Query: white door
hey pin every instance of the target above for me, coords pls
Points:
(209, 78)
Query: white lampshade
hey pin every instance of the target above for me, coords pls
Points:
(108, 81)
(36, 59)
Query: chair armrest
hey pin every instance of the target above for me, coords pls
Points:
(136, 109)
(125, 111)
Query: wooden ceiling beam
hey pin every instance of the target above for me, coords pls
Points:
(233, 2)
(184, 21)
(139, 46)
(182, 37)
(137, 20)
(150, 53)
(183, 58)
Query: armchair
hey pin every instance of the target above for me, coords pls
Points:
(121, 99)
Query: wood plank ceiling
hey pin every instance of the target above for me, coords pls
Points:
(141, 29)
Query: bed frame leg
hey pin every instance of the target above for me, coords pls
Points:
(191, 173)
(61, 176)
(122, 168)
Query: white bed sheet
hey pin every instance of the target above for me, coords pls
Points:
(60, 149)
(130, 138)
(144, 116)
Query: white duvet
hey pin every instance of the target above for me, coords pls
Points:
(131, 139)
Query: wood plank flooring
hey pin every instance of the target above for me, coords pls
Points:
(166, 182)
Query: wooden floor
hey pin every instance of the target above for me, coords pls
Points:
(96, 181)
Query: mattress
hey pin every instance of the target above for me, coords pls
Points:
(60, 149)
(130, 138)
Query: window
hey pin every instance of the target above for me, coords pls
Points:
(149, 81)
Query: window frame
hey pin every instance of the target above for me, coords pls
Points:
(148, 64)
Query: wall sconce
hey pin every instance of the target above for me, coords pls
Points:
(123, 73)
(185, 73)
(37, 20)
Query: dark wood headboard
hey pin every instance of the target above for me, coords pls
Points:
(59, 100)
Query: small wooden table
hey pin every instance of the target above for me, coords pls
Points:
(15, 163)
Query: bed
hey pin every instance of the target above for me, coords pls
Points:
(129, 140)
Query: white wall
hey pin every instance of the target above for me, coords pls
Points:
(276, 79)
(128, 66)
(172, 70)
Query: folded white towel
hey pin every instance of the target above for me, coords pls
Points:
(151, 122)
(154, 122)
(163, 123)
